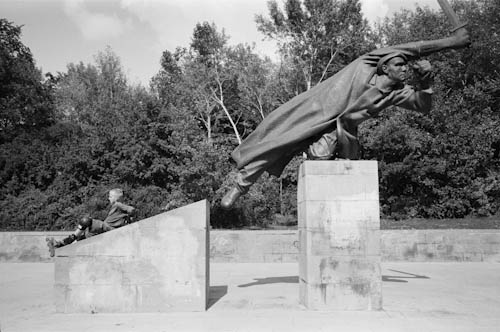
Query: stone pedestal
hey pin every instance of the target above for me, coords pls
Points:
(159, 264)
(339, 233)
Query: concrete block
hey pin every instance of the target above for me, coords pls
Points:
(341, 167)
(327, 215)
(354, 295)
(339, 233)
(343, 241)
(345, 283)
(352, 188)
(339, 270)
(155, 265)
(347, 180)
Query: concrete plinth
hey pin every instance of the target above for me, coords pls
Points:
(159, 264)
(339, 233)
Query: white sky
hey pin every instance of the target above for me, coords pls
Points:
(59, 32)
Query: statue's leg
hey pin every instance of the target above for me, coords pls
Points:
(348, 144)
(324, 148)
(249, 174)
(339, 143)
(245, 179)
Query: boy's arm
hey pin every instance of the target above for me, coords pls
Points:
(127, 208)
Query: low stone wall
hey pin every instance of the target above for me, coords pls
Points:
(26, 246)
(254, 246)
(282, 246)
(460, 245)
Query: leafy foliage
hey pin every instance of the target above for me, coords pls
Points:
(317, 37)
(446, 165)
(68, 139)
(25, 100)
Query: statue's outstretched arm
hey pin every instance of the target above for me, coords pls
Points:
(414, 50)
(459, 39)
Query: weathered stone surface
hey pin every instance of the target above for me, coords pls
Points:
(344, 241)
(339, 269)
(20, 247)
(358, 181)
(154, 265)
(253, 246)
(355, 294)
(329, 214)
(339, 232)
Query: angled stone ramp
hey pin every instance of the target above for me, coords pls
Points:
(159, 264)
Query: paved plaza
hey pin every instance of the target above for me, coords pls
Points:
(264, 297)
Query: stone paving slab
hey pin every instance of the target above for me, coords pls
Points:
(264, 297)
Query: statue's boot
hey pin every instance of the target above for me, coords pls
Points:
(230, 197)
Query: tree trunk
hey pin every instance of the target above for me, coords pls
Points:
(282, 208)
(209, 129)
(219, 98)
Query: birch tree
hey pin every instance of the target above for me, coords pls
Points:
(318, 37)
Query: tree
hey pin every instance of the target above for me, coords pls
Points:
(25, 101)
(166, 83)
(209, 47)
(443, 165)
(256, 82)
(318, 37)
(76, 95)
(93, 95)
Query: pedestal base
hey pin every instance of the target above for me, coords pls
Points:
(339, 231)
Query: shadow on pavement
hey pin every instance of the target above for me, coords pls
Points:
(403, 277)
(295, 279)
(215, 294)
(272, 280)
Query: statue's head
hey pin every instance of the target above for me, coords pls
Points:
(394, 65)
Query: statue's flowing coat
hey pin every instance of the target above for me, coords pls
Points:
(299, 122)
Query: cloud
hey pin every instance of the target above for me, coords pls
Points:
(93, 26)
(374, 10)
(171, 21)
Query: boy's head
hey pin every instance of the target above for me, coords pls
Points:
(115, 195)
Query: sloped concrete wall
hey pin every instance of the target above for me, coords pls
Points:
(158, 264)
(245, 246)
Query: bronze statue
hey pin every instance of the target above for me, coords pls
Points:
(324, 120)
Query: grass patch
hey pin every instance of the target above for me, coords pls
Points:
(465, 223)
(417, 223)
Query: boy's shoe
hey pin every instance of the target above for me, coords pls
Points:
(51, 243)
